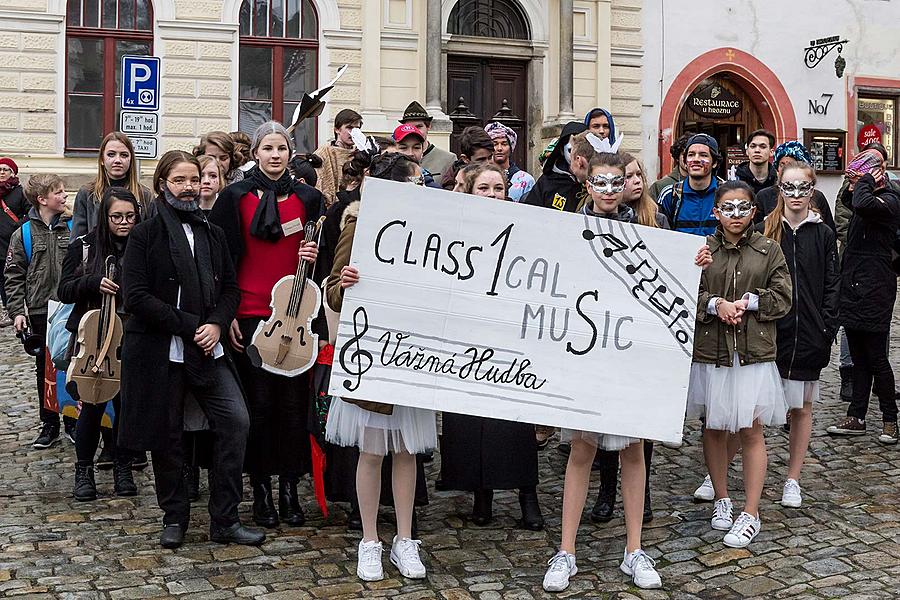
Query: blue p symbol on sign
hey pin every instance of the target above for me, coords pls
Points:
(140, 83)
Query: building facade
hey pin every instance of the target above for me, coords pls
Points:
(231, 64)
(822, 73)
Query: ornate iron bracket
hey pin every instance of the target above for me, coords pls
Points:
(819, 49)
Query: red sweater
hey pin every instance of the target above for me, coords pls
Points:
(264, 263)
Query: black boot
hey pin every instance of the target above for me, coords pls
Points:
(85, 488)
(482, 507)
(354, 520)
(648, 512)
(606, 497)
(289, 503)
(532, 519)
(264, 513)
(192, 482)
(846, 383)
(106, 459)
(648, 457)
(124, 481)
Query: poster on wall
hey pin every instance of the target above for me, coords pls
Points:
(477, 306)
(827, 148)
(875, 122)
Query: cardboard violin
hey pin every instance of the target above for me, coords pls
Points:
(95, 367)
(285, 344)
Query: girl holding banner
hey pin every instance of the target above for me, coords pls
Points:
(380, 429)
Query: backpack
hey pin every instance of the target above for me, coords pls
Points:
(59, 339)
(26, 236)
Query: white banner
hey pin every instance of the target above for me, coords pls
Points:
(483, 307)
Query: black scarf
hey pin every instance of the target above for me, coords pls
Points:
(195, 276)
(266, 223)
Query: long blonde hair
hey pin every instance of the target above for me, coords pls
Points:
(773, 226)
(644, 207)
(102, 182)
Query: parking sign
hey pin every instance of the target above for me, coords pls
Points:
(140, 83)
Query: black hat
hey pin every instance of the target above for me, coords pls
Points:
(415, 112)
(569, 129)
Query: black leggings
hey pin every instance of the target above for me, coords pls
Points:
(869, 351)
(87, 431)
(609, 468)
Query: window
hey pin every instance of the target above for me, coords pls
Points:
(279, 51)
(875, 118)
(489, 18)
(98, 34)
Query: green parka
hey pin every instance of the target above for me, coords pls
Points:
(755, 265)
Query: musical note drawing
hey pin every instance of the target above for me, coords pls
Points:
(358, 356)
(641, 267)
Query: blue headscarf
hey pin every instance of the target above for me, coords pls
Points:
(795, 150)
(594, 112)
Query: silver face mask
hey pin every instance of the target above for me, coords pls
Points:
(607, 184)
(736, 209)
(796, 189)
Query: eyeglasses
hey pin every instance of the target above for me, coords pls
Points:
(118, 218)
(418, 180)
(735, 210)
(5, 169)
(607, 184)
(796, 189)
(184, 183)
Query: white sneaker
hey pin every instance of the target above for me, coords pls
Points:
(405, 556)
(743, 531)
(790, 497)
(641, 569)
(368, 561)
(705, 493)
(562, 566)
(722, 519)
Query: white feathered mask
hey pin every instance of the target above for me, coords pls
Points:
(604, 145)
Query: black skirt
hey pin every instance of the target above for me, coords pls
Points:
(480, 453)
(278, 407)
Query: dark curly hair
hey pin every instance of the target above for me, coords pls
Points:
(393, 166)
(303, 166)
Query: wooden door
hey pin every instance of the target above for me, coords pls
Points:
(484, 83)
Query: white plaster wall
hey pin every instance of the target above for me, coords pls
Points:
(776, 33)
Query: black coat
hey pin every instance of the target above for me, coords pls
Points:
(806, 333)
(481, 453)
(80, 289)
(556, 190)
(152, 415)
(767, 198)
(16, 202)
(868, 281)
(744, 174)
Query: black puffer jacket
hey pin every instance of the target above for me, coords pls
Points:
(806, 333)
(868, 281)
(556, 190)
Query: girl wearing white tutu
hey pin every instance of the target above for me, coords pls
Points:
(806, 334)
(606, 185)
(377, 429)
(734, 382)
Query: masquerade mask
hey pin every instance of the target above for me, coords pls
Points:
(737, 209)
(796, 189)
(607, 184)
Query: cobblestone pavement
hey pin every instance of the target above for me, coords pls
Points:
(844, 542)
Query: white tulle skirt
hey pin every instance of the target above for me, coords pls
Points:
(732, 398)
(798, 393)
(407, 429)
(603, 441)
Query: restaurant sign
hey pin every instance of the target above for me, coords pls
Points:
(714, 102)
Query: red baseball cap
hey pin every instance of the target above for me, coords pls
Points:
(404, 130)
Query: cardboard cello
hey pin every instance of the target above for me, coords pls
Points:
(95, 368)
(285, 344)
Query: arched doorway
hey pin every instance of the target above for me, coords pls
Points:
(746, 78)
(720, 107)
(486, 70)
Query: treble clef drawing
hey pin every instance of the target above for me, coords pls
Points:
(359, 361)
